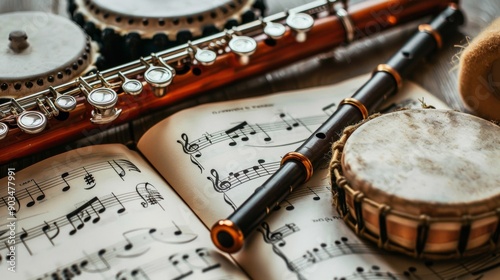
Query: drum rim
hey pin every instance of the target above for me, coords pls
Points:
(342, 190)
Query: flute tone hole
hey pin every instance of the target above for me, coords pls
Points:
(270, 42)
(320, 135)
(196, 71)
(406, 54)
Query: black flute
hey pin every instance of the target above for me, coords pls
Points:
(297, 167)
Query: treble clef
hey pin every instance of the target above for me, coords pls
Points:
(191, 149)
(219, 186)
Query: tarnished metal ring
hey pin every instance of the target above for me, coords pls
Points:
(303, 160)
(388, 69)
(435, 34)
(361, 107)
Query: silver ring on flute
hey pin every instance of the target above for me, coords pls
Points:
(356, 103)
(303, 160)
(347, 23)
(227, 236)
(428, 29)
(388, 69)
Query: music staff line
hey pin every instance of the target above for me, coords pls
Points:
(244, 130)
(470, 267)
(262, 169)
(35, 191)
(135, 243)
(90, 210)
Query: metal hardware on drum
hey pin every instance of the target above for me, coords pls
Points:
(229, 234)
(86, 102)
(129, 29)
(33, 58)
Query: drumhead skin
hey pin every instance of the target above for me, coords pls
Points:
(421, 182)
(439, 163)
(57, 51)
(129, 29)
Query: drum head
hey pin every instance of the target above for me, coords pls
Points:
(439, 163)
(150, 17)
(53, 51)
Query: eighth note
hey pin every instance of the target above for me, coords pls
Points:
(63, 177)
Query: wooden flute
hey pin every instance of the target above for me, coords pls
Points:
(42, 120)
(297, 167)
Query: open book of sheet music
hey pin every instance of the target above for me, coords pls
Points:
(107, 212)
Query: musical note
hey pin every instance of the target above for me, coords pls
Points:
(289, 206)
(233, 130)
(204, 255)
(23, 236)
(173, 235)
(93, 266)
(82, 211)
(316, 196)
(256, 168)
(67, 186)
(267, 138)
(118, 169)
(179, 262)
(129, 236)
(288, 125)
(37, 189)
(93, 209)
(122, 208)
(89, 179)
(47, 228)
(135, 274)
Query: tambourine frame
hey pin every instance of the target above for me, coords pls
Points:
(423, 236)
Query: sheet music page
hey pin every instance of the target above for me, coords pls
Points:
(101, 212)
(215, 155)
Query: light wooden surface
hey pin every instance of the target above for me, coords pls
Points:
(438, 74)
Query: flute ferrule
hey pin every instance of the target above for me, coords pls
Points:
(427, 28)
(391, 71)
(356, 103)
(227, 236)
(302, 159)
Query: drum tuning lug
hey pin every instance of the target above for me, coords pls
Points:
(300, 23)
(4, 129)
(158, 77)
(103, 100)
(130, 86)
(274, 30)
(243, 46)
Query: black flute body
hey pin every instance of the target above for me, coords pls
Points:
(297, 167)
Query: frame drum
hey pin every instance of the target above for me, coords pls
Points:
(40, 50)
(424, 182)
